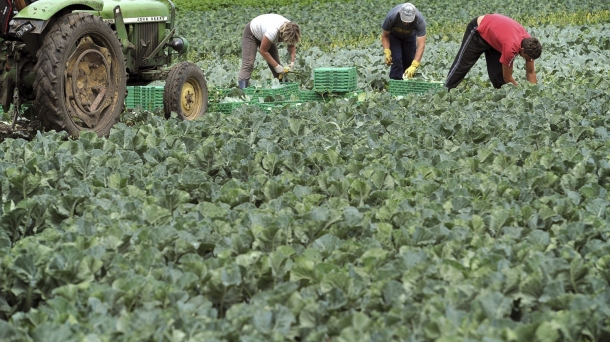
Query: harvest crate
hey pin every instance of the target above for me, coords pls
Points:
(225, 107)
(132, 100)
(151, 97)
(285, 89)
(276, 104)
(335, 79)
(148, 97)
(313, 96)
(404, 87)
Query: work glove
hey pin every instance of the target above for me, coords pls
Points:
(388, 56)
(291, 67)
(279, 69)
(410, 72)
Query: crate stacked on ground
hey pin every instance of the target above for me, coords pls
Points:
(145, 97)
(308, 95)
(335, 80)
(151, 97)
(263, 97)
(286, 90)
(315, 96)
(225, 107)
(287, 94)
(412, 86)
(133, 97)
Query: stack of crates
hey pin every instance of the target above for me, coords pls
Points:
(283, 94)
(225, 107)
(405, 87)
(146, 97)
(277, 104)
(286, 90)
(151, 97)
(313, 96)
(335, 80)
(133, 97)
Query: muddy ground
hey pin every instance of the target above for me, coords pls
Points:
(24, 129)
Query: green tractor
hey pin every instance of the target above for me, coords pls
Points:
(73, 59)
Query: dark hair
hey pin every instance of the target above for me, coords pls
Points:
(531, 47)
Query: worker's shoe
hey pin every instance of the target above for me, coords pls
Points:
(242, 84)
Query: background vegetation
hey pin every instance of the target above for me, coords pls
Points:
(475, 215)
(352, 37)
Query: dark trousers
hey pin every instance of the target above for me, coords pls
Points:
(249, 47)
(403, 52)
(473, 46)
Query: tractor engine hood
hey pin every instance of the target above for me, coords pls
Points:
(134, 11)
(33, 18)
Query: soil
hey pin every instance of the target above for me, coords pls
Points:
(24, 129)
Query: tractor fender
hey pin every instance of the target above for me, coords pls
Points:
(35, 17)
(46, 9)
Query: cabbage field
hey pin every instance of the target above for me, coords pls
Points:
(474, 215)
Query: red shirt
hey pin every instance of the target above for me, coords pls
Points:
(503, 34)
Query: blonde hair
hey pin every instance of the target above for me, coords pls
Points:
(290, 33)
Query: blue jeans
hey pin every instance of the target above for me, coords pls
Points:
(403, 53)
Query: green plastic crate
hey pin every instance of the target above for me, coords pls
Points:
(225, 107)
(405, 87)
(131, 100)
(335, 79)
(276, 104)
(151, 97)
(313, 96)
(286, 90)
(147, 97)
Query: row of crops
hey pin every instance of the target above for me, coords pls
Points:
(475, 215)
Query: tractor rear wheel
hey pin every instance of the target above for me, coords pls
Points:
(80, 76)
(186, 92)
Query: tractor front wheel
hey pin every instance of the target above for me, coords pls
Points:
(80, 76)
(186, 92)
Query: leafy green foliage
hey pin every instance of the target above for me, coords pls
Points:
(479, 214)
(207, 5)
(384, 218)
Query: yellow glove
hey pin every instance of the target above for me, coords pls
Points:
(411, 70)
(388, 56)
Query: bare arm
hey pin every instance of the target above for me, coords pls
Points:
(507, 73)
(530, 72)
(264, 50)
(385, 39)
(421, 46)
(293, 52)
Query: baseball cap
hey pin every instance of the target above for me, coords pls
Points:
(407, 12)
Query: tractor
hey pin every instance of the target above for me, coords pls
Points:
(72, 61)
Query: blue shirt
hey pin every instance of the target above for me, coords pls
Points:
(401, 29)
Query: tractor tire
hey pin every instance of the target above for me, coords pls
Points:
(186, 92)
(80, 76)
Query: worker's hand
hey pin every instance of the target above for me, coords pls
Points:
(289, 68)
(388, 56)
(279, 69)
(410, 72)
